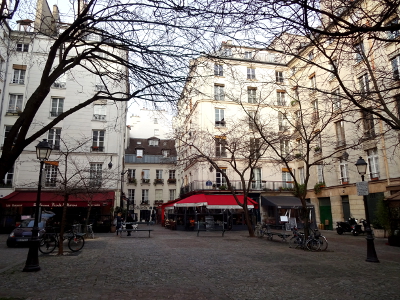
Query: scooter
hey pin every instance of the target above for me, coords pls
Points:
(357, 229)
(342, 227)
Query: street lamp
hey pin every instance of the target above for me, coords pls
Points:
(121, 198)
(371, 253)
(43, 151)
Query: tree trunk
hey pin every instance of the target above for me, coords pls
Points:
(63, 221)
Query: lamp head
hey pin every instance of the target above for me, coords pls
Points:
(43, 150)
(361, 166)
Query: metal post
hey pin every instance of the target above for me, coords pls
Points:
(121, 200)
(32, 261)
(371, 253)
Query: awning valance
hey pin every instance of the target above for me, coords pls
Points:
(282, 201)
(53, 199)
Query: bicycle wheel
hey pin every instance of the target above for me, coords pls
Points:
(323, 243)
(294, 242)
(76, 243)
(313, 245)
(47, 244)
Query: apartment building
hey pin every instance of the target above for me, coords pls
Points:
(150, 176)
(88, 145)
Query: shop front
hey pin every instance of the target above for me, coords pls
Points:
(285, 210)
(209, 210)
(20, 204)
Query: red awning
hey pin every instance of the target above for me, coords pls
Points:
(52, 199)
(213, 202)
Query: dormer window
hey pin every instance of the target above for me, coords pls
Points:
(153, 142)
(139, 153)
(166, 153)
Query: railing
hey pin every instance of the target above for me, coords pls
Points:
(150, 159)
(97, 149)
(55, 113)
(59, 85)
(237, 185)
(99, 117)
(145, 180)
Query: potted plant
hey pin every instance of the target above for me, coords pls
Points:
(317, 149)
(171, 180)
(297, 155)
(318, 187)
(132, 180)
(223, 187)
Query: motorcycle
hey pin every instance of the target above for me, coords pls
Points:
(347, 226)
(357, 229)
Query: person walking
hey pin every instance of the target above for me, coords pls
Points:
(119, 221)
(130, 220)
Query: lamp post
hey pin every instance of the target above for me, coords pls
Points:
(371, 253)
(43, 150)
(121, 198)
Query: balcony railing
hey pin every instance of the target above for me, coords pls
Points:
(98, 117)
(158, 181)
(237, 185)
(171, 180)
(150, 159)
(145, 180)
(97, 149)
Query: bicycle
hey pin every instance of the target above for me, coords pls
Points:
(322, 239)
(89, 231)
(298, 241)
(51, 240)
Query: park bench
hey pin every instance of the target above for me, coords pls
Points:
(120, 230)
(270, 234)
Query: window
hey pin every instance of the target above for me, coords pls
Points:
(315, 113)
(344, 172)
(19, 76)
(297, 123)
(99, 112)
(51, 175)
(22, 47)
(255, 148)
(219, 93)
(395, 66)
(145, 197)
(155, 121)
(313, 82)
(253, 120)
(279, 76)
(218, 70)
(219, 117)
(15, 104)
(280, 98)
(368, 123)
(360, 51)
(171, 195)
(219, 178)
(171, 174)
(7, 129)
(282, 121)
(340, 136)
(227, 52)
(301, 175)
(54, 137)
(159, 174)
(373, 163)
(287, 180)
(145, 176)
(220, 146)
(60, 83)
(96, 170)
(131, 173)
(98, 140)
(256, 184)
(251, 73)
(363, 82)
(252, 95)
(156, 132)
(285, 147)
(165, 153)
(139, 153)
(336, 101)
(395, 33)
(310, 55)
(248, 55)
(131, 196)
(57, 105)
(333, 68)
(299, 146)
(153, 142)
(159, 195)
(320, 173)
(8, 178)
(397, 101)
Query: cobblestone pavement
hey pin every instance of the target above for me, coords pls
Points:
(180, 265)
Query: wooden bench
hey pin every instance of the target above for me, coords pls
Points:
(270, 234)
(132, 230)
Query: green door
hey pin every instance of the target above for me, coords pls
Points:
(325, 212)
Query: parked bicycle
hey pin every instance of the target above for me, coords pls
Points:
(298, 240)
(51, 240)
(322, 239)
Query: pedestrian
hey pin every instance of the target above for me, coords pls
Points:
(129, 219)
(119, 221)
